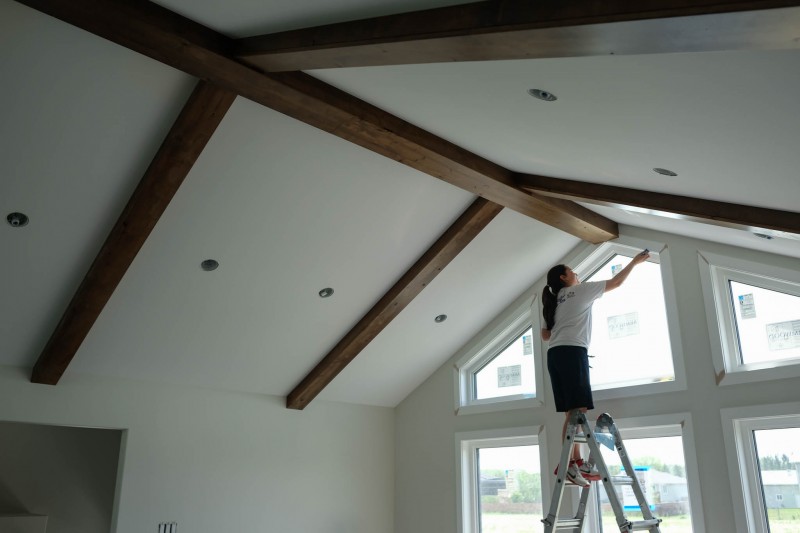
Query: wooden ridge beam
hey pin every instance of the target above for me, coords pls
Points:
(523, 29)
(476, 217)
(167, 37)
(182, 146)
(772, 222)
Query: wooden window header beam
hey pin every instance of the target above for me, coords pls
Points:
(772, 222)
(525, 29)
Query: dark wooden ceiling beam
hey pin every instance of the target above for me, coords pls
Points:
(771, 222)
(185, 45)
(524, 29)
(476, 217)
(196, 123)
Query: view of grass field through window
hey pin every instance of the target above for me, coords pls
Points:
(662, 474)
(510, 488)
(779, 471)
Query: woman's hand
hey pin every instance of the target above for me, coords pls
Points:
(622, 275)
(641, 257)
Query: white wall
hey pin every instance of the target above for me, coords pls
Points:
(65, 473)
(426, 423)
(215, 461)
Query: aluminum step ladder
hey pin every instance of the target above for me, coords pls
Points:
(606, 433)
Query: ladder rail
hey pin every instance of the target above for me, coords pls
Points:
(629, 469)
(561, 478)
(608, 484)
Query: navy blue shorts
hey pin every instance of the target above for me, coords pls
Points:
(569, 373)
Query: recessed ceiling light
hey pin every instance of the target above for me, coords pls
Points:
(439, 319)
(17, 220)
(326, 292)
(664, 172)
(763, 236)
(542, 95)
(209, 264)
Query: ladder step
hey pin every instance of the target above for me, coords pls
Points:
(640, 525)
(622, 480)
(568, 524)
(579, 438)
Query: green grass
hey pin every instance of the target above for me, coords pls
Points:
(784, 520)
(780, 521)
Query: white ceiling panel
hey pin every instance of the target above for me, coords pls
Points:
(286, 210)
(81, 121)
(502, 262)
(724, 122)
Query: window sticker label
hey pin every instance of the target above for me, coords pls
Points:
(747, 306)
(527, 345)
(783, 335)
(509, 376)
(623, 325)
(615, 269)
(629, 501)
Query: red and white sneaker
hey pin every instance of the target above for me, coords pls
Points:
(575, 477)
(588, 471)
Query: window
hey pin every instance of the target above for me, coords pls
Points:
(661, 470)
(633, 341)
(630, 336)
(501, 481)
(764, 450)
(499, 368)
(508, 373)
(668, 477)
(754, 318)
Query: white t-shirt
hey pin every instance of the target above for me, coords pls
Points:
(573, 325)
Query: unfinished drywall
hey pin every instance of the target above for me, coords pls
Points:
(215, 461)
(426, 423)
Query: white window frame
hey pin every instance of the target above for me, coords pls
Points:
(716, 271)
(467, 443)
(669, 425)
(589, 260)
(488, 344)
(738, 425)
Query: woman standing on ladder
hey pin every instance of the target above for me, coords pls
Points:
(568, 328)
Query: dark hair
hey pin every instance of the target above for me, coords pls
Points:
(549, 301)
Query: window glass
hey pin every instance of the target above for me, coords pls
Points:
(779, 472)
(510, 372)
(661, 469)
(510, 489)
(630, 335)
(767, 323)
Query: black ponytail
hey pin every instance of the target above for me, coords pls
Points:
(549, 301)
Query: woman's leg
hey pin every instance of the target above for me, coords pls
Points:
(576, 452)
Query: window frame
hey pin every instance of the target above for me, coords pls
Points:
(589, 260)
(738, 425)
(670, 425)
(489, 344)
(467, 444)
(716, 272)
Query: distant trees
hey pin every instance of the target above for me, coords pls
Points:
(773, 462)
(655, 463)
(529, 488)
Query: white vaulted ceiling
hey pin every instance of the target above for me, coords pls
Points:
(287, 209)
